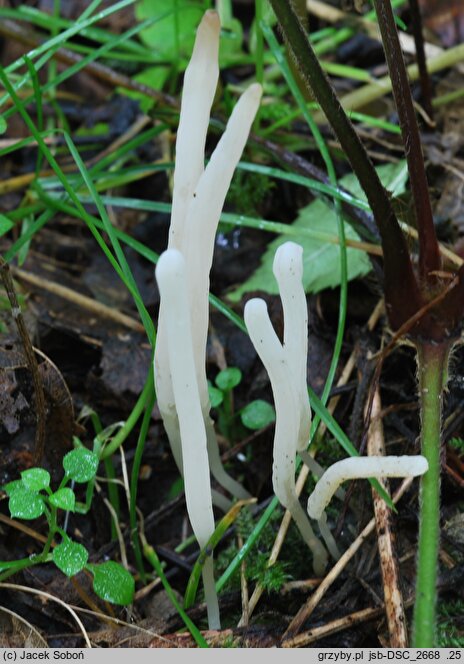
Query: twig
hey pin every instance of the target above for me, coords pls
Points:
(96, 69)
(244, 587)
(334, 15)
(80, 300)
(394, 608)
(25, 529)
(307, 609)
(34, 591)
(368, 93)
(312, 635)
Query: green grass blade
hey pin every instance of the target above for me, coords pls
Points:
(224, 524)
(148, 324)
(150, 555)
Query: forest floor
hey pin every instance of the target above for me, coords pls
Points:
(120, 108)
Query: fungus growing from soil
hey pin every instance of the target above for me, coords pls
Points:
(358, 468)
(286, 366)
(198, 198)
(171, 275)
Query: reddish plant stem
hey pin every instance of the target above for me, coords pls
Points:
(399, 275)
(424, 78)
(429, 255)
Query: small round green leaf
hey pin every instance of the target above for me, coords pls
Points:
(64, 499)
(113, 583)
(216, 397)
(35, 479)
(26, 504)
(229, 378)
(257, 415)
(70, 557)
(14, 485)
(81, 464)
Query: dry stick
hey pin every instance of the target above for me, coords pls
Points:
(306, 610)
(394, 607)
(11, 29)
(40, 412)
(80, 300)
(312, 635)
(34, 591)
(25, 529)
(382, 86)
(334, 15)
(301, 481)
(140, 123)
(244, 586)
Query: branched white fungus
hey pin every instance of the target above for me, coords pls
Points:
(288, 271)
(172, 282)
(283, 364)
(361, 467)
(198, 198)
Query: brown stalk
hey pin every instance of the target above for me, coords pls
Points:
(424, 78)
(393, 599)
(399, 274)
(429, 255)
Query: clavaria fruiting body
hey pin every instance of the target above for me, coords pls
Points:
(172, 283)
(198, 198)
(286, 366)
(183, 278)
(361, 467)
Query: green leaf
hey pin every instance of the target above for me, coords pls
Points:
(113, 583)
(321, 259)
(81, 464)
(35, 479)
(5, 224)
(26, 504)
(152, 77)
(3, 125)
(229, 378)
(257, 415)
(11, 487)
(216, 397)
(64, 499)
(70, 557)
(175, 29)
(230, 45)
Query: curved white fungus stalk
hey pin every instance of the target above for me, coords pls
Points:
(199, 87)
(280, 363)
(328, 538)
(198, 198)
(318, 471)
(288, 271)
(172, 283)
(202, 222)
(361, 467)
(202, 74)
